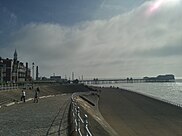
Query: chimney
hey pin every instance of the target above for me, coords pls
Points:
(37, 72)
(26, 73)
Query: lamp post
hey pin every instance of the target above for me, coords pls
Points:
(2, 72)
(33, 70)
(1, 68)
(17, 72)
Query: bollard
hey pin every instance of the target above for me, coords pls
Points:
(78, 119)
(86, 125)
(74, 116)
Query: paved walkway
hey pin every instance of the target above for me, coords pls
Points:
(131, 114)
(36, 119)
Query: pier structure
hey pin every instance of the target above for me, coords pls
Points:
(112, 81)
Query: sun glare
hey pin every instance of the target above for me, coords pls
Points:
(157, 4)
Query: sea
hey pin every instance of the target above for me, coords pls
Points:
(170, 92)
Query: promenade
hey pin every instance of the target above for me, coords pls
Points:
(47, 117)
(131, 114)
(115, 112)
(36, 119)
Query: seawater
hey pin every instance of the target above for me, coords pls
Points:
(169, 92)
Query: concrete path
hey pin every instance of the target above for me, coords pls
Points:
(130, 114)
(36, 119)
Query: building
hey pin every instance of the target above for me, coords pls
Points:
(2, 70)
(14, 70)
(160, 78)
(5, 70)
(21, 72)
(28, 73)
(55, 78)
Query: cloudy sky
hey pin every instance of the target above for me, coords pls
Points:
(94, 38)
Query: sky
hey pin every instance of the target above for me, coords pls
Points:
(94, 38)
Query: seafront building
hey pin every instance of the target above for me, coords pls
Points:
(13, 70)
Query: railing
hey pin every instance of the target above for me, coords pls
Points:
(81, 123)
(8, 86)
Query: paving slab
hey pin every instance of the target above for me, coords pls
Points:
(36, 119)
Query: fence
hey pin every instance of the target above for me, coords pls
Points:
(8, 86)
(81, 123)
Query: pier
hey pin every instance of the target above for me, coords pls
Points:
(112, 81)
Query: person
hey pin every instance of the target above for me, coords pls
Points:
(36, 95)
(23, 96)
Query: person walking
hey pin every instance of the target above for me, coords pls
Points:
(36, 98)
(23, 94)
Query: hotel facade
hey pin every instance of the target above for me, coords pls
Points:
(13, 70)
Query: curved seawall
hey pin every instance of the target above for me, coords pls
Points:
(134, 114)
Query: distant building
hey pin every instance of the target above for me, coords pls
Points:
(21, 72)
(8, 68)
(56, 78)
(160, 78)
(14, 70)
(27, 73)
(5, 70)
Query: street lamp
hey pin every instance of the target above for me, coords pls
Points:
(17, 72)
(1, 68)
(1, 72)
(33, 71)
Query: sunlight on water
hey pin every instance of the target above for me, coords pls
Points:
(171, 92)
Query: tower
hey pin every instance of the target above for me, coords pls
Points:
(15, 55)
(26, 72)
(37, 73)
(15, 67)
(72, 76)
(33, 71)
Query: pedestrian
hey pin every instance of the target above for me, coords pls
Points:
(36, 98)
(23, 96)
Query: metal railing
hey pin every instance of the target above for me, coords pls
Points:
(81, 123)
(8, 86)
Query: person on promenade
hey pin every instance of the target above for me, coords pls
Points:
(36, 95)
(23, 96)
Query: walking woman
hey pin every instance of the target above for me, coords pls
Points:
(23, 96)
(36, 98)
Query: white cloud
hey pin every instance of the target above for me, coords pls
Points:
(105, 48)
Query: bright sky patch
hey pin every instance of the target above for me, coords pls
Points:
(157, 4)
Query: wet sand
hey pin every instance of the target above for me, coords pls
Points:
(131, 114)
